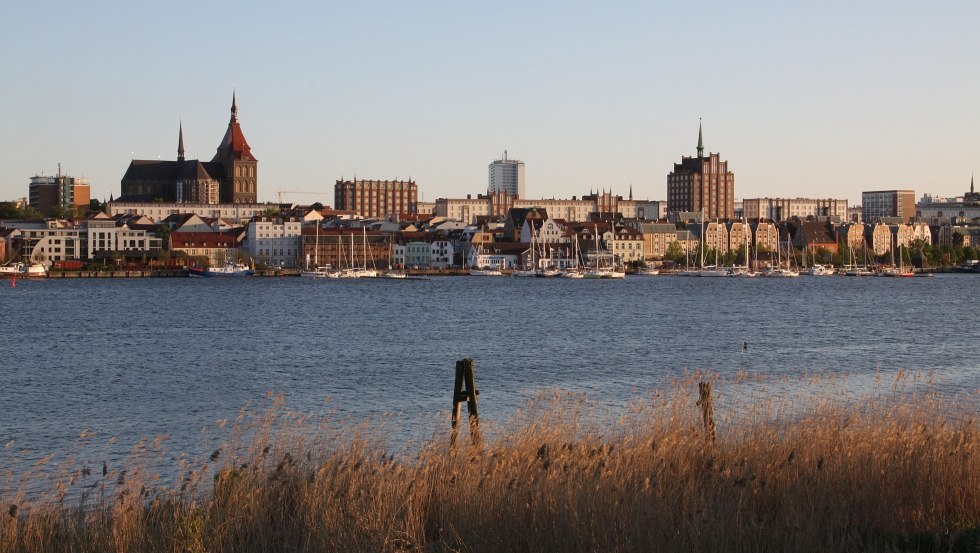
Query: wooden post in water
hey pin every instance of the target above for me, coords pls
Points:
(707, 412)
(465, 390)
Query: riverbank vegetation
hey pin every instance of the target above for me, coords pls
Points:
(877, 475)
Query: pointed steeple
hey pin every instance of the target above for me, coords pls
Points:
(700, 141)
(971, 183)
(631, 191)
(234, 145)
(180, 143)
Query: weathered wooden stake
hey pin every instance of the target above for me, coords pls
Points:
(465, 390)
(707, 412)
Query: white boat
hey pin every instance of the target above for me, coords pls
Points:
(648, 271)
(712, 271)
(485, 271)
(23, 270)
(818, 270)
(229, 269)
(320, 272)
(11, 270)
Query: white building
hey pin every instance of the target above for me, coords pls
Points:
(506, 175)
(274, 241)
(781, 209)
(159, 212)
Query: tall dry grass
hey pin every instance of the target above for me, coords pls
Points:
(873, 476)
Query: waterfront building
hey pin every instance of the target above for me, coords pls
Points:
(377, 199)
(60, 195)
(816, 235)
(879, 237)
(702, 184)
(765, 235)
(627, 244)
(544, 231)
(782, 209)
(739, 234)
(657, 237)
(275, 242)
(714, 235)
(209, 248)
(344, 247)
(922, 232)
(960, 235)
(852, 235)
(231, 177)
(7, 236)
(92, 239)
(506, 175)
(887, 203)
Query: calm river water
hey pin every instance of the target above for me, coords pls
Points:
(128, 358)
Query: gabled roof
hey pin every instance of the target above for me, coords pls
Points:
(817, 233)
(165, 170)
(204, 239)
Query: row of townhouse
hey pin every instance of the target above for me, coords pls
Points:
(88, 240)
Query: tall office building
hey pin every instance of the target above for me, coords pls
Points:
(506, 175)
(375, 199)
(888, 203)
(702, 184)
(59, 195)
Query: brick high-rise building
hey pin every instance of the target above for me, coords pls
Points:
(376, 199)
(59, 195)
(702, 184)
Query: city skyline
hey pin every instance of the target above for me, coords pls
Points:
(811, 101)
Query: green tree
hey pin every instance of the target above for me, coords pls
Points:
(969, 253)
(317, 206)
(674, 252)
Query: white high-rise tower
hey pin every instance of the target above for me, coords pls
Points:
(507, 175)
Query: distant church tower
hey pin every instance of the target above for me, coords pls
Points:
(240, 182)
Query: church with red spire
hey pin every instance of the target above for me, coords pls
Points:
(231, 177)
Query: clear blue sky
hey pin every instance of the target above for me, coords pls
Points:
(820, 99)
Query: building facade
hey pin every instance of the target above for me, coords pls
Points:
(887, 203)
(60, 195)
(702, 184)
(230, 177)
(274, 241)
(506, 175)
(376, 199)
(781, 209)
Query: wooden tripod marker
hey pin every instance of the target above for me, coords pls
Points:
(707, 411)
(465, 390)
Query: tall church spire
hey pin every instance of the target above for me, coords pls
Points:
(700, 141)
(971, 184)
(180, 143)
(234, 107)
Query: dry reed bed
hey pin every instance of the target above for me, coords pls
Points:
(897, 476)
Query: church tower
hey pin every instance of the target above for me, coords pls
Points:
(240, 180)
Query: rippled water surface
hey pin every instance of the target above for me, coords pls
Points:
(142, 357)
